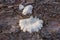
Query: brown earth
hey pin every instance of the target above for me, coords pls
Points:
(48, 10)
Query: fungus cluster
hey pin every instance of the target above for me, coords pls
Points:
(26, 10)
(32, 24)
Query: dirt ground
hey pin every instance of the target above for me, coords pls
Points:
(47, 10)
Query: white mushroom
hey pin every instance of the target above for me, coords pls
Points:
(31, 24)
(27, 10)
(21, 6)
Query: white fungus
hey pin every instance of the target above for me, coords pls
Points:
(31, 24)
(21, 6)
(27, 10)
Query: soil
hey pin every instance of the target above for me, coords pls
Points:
(47, 10)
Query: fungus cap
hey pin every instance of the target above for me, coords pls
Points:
(21, 6)
(27, 10)
(31, 24)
